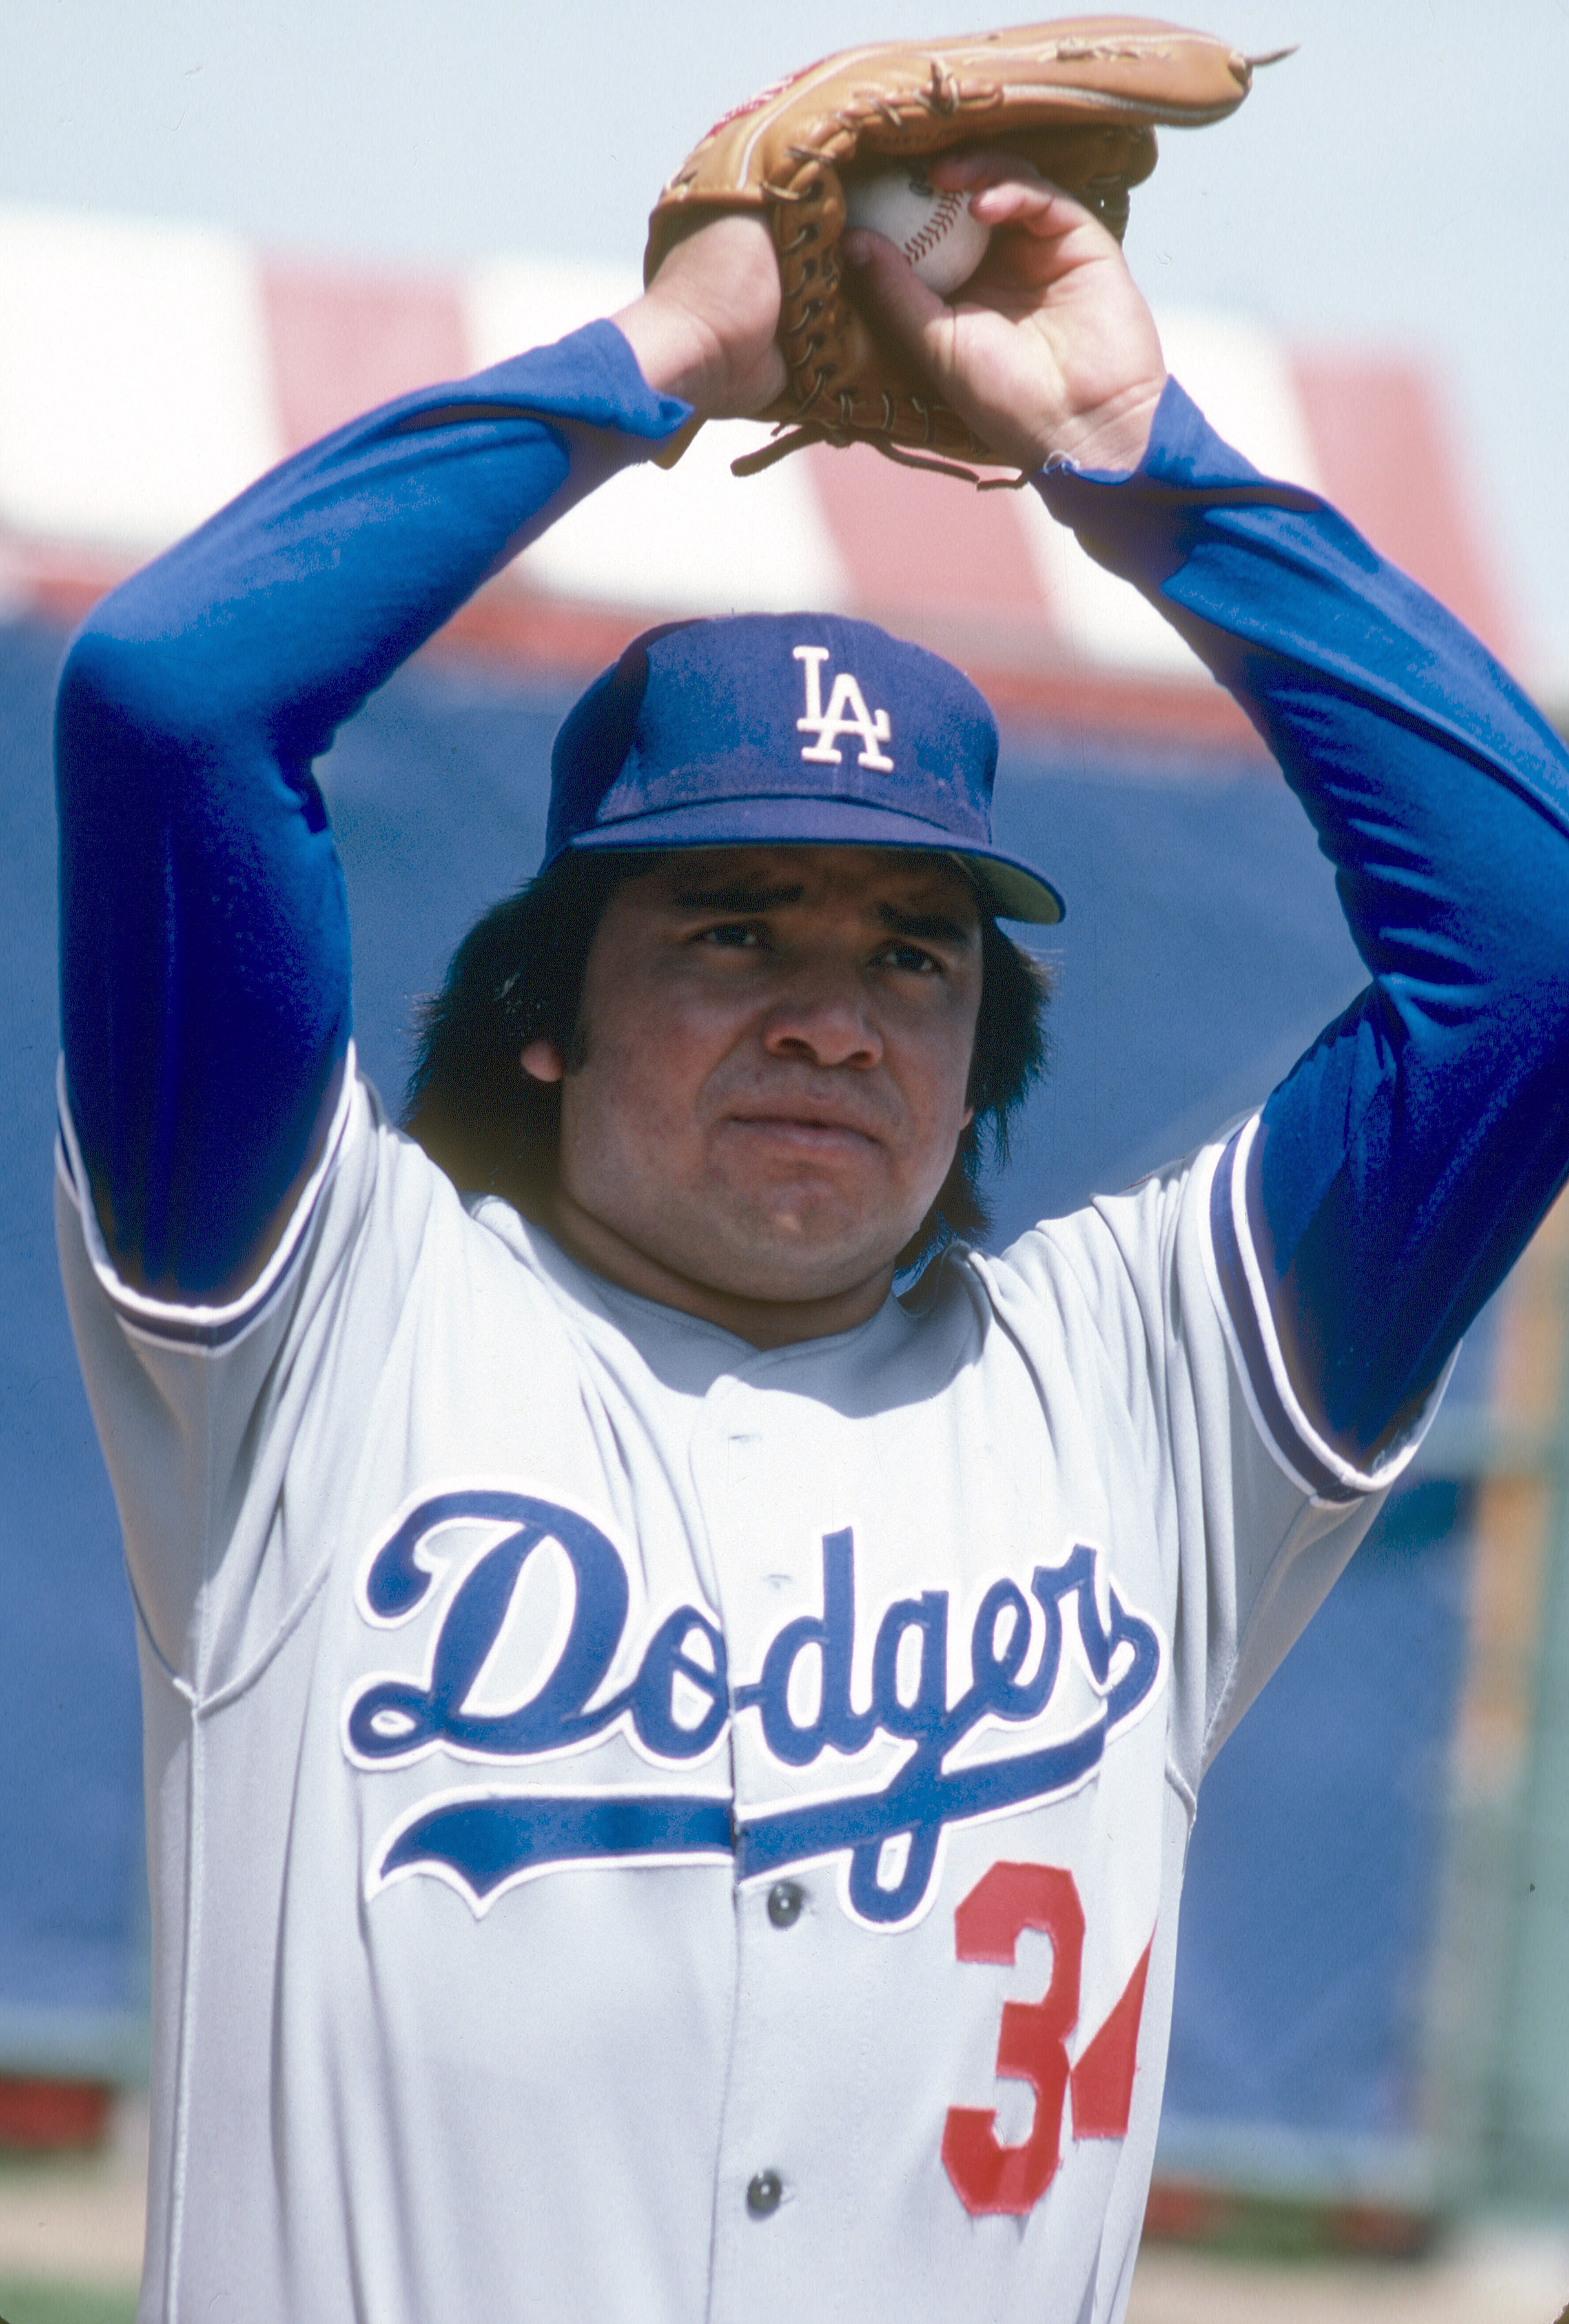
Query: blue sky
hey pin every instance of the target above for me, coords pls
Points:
(1398, 183)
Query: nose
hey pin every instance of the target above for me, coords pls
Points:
(821, 1019)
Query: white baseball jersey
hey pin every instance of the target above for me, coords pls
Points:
(643, 1828)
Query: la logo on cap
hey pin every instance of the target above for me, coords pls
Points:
(846, 714)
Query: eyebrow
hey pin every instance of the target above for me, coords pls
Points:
(743, 896)
(936, 927)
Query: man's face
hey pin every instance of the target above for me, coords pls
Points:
(777, 1045)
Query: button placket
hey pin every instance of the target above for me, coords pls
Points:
(763, 1573)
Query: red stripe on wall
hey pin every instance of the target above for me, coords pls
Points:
(1387, 456)
(342, 343)
(37, 2115)
(1165, 718)
(927, 553)
(520, 629)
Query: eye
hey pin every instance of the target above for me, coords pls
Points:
(732, 935)
(910, 958)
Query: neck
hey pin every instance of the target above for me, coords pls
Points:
(762, 1322)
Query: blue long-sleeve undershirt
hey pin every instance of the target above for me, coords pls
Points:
(205, 964)
(205, 998)
(1406, 1159)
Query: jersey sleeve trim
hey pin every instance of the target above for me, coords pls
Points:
(1247, 1316)
(170, 1321)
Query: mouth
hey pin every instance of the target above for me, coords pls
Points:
(806, 1128)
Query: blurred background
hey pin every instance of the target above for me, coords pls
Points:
(224, 229)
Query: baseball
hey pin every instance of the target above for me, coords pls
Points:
(934, 230)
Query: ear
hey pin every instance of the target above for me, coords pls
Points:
(542, 1061)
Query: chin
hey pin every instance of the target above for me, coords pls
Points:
(791, 1256)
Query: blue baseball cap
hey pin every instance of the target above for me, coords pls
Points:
(786, 729)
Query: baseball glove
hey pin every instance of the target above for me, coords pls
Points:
(1079, 99)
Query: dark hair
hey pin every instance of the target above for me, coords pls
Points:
(518, 976)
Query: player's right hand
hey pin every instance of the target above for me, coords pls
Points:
(705, 327)
(1049, 349)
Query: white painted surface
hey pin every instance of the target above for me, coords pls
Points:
(1099, 621)
(688, 540)
(136, 377)
(1241, 377)
(509, 304)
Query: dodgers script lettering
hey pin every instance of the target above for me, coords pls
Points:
(674, 1708)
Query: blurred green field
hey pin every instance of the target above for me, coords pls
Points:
(25, 2301)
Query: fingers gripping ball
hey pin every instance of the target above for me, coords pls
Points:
(1079, 99)
(934, 230)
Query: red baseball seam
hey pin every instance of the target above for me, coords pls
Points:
(927, 237)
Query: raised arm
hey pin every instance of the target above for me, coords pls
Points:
(1399, 1169)
(205, 988)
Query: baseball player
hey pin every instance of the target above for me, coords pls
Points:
(667, 1765)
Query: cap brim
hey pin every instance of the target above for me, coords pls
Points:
(1012, 889)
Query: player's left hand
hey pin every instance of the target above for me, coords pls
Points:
(704, 329)
(1049, 348)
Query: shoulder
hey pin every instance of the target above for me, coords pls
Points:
(1117, 1261)
(374, 1216)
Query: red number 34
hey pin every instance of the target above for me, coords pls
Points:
(1032, 2047)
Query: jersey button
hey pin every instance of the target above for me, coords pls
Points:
(763, 2196)
(785, 1900)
